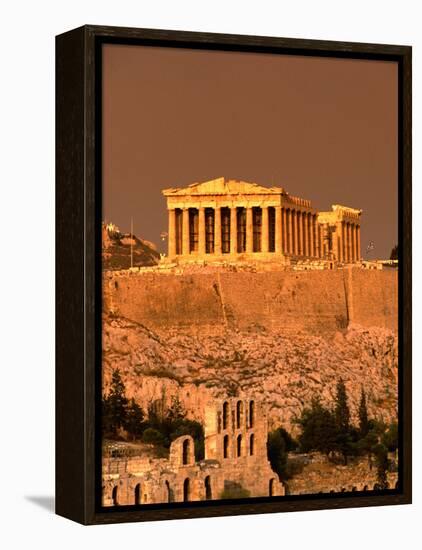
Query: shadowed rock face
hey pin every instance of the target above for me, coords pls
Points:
(284, 370)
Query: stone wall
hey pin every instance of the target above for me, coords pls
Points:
(310, 301)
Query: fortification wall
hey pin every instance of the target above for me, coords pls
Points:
(310, 301)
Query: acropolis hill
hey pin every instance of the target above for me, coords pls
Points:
(275, 306)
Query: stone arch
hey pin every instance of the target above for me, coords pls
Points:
(226, 446)
(114, 496)
(208, 488)
(239, 414)
(251, 413)
(185, 452)
(138, 494)
(225, 415)
(251, 444)
(271, 487)
(186, 490)
(239, 445)
(182, 452)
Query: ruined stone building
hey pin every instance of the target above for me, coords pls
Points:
(228, 219)
(235, 457)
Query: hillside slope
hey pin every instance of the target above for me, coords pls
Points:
(116, 251)
(284, 370)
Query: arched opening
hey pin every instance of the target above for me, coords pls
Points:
(114, 496)
(168, 491)
(239, 445)
(251, 444)
(186, 490)
(354, 489)
(271, 487)
(365, 487)
(343, 490)
(138, 494)
(225, 415)
(239, 413)
(226, 446)
(251, 414)
(208, 491)
(185, 452)
(377, 487)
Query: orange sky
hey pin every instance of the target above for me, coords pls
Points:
(324, 129)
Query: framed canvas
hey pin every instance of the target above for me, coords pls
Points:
(233, 274)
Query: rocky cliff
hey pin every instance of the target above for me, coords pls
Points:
(285, 370)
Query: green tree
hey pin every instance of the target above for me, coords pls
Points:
(153, 437)
(318, 429)
(367, 445)
(382, 463)
(276, 451)
(363, 415)
(341, 410)
(344, 441)
(176, 411)
(391, 437)
(291, 444)
(134, 419)
(115, 406)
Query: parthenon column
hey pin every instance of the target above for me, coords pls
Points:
(201, 230)
(306, 234)
(278, 247)
(355, 247)
(217, 230)
(249, 230)
(264, 229)
(172, 233)
(343, 241)
(290, 224)
(185, 232)
(349, 242)
(358, 241)
(233, 230)
(295, 234)
(339, 242)
(313, 243)
(284, 230)
(300, 232)
(319, 240)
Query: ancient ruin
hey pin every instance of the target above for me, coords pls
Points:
(235, 457)
(228, 219)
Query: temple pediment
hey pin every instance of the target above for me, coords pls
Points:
(221, 186)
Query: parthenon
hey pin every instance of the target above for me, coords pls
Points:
(231, 219)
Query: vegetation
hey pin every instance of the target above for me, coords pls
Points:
(279, 444)
(329, 430)
(124, 419)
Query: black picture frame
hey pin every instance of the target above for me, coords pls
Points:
(78, 271)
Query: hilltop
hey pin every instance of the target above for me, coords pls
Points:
(116, 250)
